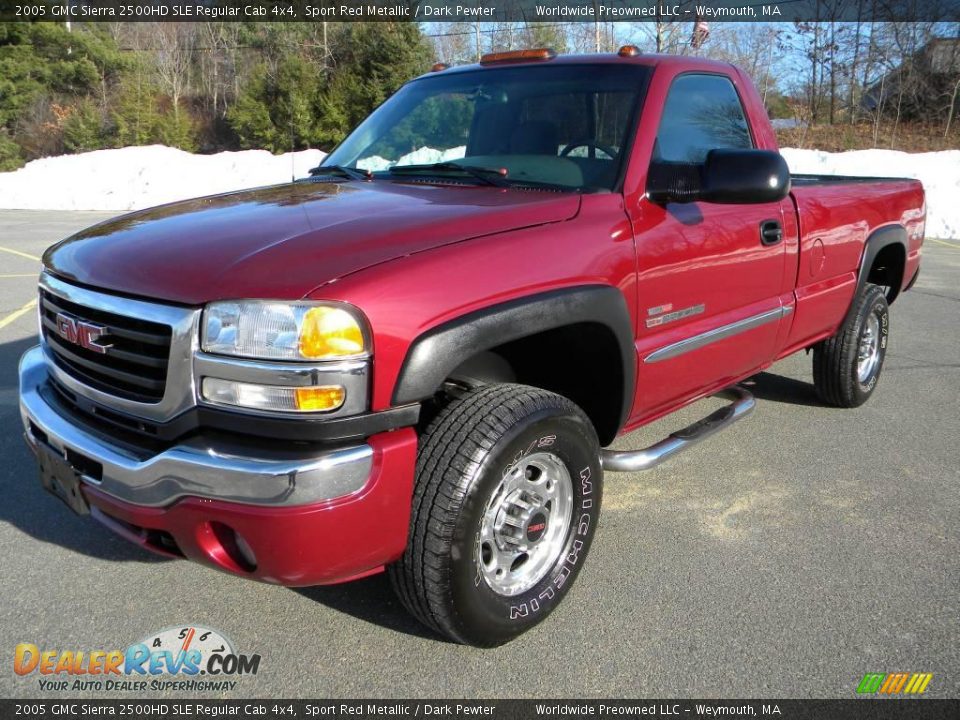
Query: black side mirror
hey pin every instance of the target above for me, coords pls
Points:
(726, 176)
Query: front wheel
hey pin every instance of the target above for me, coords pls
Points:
(846, 367)
(505, 506)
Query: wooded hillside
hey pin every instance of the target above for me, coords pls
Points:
(210, 86)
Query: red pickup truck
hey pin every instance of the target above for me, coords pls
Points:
(414, 359)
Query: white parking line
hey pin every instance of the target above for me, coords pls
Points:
(18, 313)
(944, 243)
(28, 256)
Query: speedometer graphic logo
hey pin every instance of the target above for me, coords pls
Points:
(188, 650)
(176, 640)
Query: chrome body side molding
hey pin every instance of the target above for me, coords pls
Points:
(711, 336)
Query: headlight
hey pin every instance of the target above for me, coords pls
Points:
(268, 330)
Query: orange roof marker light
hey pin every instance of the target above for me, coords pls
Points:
(439, 67)
(628, 51)
(518, 56)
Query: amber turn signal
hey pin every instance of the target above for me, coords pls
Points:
(324, 397)
(330, 332)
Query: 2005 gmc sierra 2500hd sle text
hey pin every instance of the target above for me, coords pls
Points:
(411, 367)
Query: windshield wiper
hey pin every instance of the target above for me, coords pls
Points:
(347, 172)
(491, 176)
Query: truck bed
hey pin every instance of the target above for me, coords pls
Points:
(836, 215)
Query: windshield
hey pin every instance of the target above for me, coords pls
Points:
(564, 125)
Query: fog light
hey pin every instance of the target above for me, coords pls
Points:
(322, 398)
(231, 550)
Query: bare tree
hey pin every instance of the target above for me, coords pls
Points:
(454, 43)
(174, 57)
(753, 47)
(950, 64)
(669, 35)
(952, 108)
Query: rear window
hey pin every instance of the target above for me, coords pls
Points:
(588, 124)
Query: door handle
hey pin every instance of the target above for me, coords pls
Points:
(771, 232)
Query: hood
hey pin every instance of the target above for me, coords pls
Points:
(283, 241)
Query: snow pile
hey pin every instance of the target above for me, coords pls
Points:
(420, 156)
(938, 171)
(138, 177)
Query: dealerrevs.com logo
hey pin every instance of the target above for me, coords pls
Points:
(186, 659)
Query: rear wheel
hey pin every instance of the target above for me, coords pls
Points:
(505, 507)
(846, 367)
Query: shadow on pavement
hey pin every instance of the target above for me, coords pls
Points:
(26, 506)
(371, 600)
(30, 509)
(768, 386)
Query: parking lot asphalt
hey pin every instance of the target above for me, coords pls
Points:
(785, 557)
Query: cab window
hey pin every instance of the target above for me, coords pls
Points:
(702, 112)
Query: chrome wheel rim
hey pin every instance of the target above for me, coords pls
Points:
(868, 353)
(525, 524)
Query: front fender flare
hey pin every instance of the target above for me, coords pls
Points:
(433, 356)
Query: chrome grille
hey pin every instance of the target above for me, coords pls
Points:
(135, 365)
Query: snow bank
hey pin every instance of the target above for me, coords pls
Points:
(938, 171)
(137, 177)
(420, 156)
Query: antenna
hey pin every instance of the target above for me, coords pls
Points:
(293, 171)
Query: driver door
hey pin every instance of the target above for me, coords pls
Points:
(709, 280)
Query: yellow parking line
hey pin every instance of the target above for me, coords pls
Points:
(18, 313)
(16, 275)
(946, 244)
(28, 256)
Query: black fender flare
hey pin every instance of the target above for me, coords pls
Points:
(438, 352)
(877, 241)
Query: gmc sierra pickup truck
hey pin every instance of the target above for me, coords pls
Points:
(413, 360)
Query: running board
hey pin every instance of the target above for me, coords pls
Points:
(634, 460)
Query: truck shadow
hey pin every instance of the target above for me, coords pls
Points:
(26, 506)
(769, 386)
(371, 600)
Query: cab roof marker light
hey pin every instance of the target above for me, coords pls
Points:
(518, 56)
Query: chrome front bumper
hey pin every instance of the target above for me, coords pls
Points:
(196, 468)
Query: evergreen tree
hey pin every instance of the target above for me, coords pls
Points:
(374, 59)
(278, 111)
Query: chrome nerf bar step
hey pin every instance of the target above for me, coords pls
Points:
(634, 460)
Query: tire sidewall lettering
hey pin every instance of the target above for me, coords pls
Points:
(573, 556)
(585, 471)
(882, 312)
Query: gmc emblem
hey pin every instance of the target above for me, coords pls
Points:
(82, 333)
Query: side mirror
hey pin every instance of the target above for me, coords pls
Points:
(726, 176)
